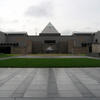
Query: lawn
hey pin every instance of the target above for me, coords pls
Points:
(7, 55)
(50, 62)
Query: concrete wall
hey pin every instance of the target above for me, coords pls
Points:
(29, 47)
(2, 37)
(96, 43)
(24, 44)
(70, 46)
(84, 50)
(61, 45)
(37, 47)
(82, 38)
(96, 48)
(64, 44)
(23, 50)
(21, 39)
(79, 40)
(96, 37)
(18, 50)
(36, 44)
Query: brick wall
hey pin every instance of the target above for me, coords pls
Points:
(18, 50)
(82, 50)
(96, 48)
(70, 46)
(28, 46)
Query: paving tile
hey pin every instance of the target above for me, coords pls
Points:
(6, 98)
(68, 98)
(5, 93)
(96, 92)
(50, 84)
(38, 93)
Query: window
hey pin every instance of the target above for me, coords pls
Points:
(84, 44)
(49, 41)
(96, 41)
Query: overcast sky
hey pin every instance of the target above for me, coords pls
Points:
(66, 15)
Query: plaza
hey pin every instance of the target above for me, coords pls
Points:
(50, 84)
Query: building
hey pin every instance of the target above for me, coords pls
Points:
(96, 43)
(49, 41)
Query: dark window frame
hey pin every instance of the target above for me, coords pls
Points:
(50, 41)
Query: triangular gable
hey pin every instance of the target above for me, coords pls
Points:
(49, 29)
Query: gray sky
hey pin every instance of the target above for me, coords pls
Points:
(66, 15)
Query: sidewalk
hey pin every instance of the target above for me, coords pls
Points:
(28, 56)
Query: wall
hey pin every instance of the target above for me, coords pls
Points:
(18, 50)
(64, 44)
(29, 46)
(70, 46)
(17, 38)
(82, 50)
(97, 37)
(61, 45)
(24, 44)
(2, 37)
(37, 47)
(96, 48)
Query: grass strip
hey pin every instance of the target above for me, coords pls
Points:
(49, 63)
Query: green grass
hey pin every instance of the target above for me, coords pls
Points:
(7, 55)
(45, 63)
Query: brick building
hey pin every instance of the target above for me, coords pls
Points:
(49, 41)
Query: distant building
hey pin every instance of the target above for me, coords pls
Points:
(96, 43)
(49, 41)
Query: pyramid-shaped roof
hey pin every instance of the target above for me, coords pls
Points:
(49, 29)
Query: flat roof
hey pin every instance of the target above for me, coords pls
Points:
(17, 33)
(82, 33)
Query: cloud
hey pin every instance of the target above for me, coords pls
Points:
(44, 9)
(15, 21)
(67, 32)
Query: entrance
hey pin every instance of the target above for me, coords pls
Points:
(50, 46)
(50, 50)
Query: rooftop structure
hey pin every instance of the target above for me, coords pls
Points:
(49, 30)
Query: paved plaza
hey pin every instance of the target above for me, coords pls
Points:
(50, 84)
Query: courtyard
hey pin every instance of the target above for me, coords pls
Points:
(50, 84)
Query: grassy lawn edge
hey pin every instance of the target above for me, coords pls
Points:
(49, 63)
(8, 55)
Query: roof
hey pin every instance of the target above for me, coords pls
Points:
(49, 29)
(17, 33)
(2, 32)
(82, 33)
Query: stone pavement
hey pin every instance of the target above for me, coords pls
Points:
(52, 56)
(59, 56)
(50, 84)
(28, 56)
